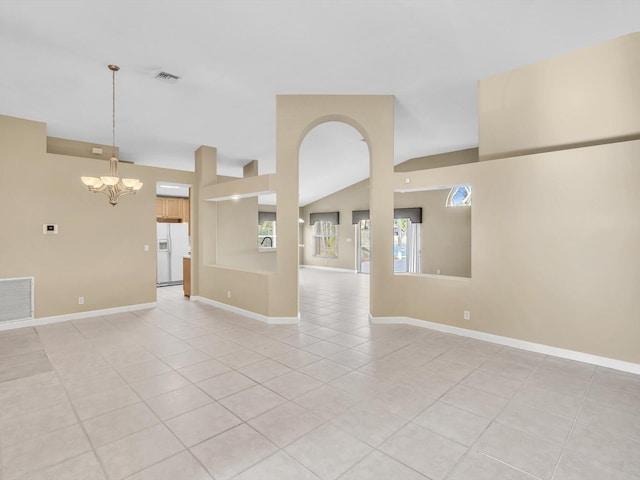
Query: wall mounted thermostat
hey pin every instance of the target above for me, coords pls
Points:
(50, 229)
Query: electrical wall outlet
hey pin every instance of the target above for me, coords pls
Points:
(80, 300)
(467, 315)
(228, 293)
(50, 229)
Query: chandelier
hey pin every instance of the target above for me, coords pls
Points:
(113, 186)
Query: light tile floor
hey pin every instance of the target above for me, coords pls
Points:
(188, 391)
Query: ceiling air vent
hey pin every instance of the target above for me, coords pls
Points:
(167, 77)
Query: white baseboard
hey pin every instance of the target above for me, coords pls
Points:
(35, 322)
(247, 313)
(514, 342)
(333, 269)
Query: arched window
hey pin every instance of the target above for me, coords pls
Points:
(459, 196)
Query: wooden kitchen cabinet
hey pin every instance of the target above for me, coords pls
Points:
(159, 207)
(186, 276)
(172, 209)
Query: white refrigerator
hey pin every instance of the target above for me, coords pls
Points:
(173, 244)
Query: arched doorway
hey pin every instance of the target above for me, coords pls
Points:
(333, 178)
(296, 116)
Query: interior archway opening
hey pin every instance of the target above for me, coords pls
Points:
(334, 170)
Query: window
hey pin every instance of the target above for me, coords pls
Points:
(406, 239)
(325, 239)
(363, 232)
(400, 226)
(267, 235)
(459, 196)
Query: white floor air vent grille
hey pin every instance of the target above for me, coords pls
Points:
(16, 299)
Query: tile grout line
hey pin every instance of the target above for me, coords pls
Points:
(141, 400)
(81, 425)
(492, 421)
(410, 421)
(73, 409)
(163, 422)
(573, 425)
(509, 465)
(244, 422)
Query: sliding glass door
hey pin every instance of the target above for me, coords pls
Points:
(400, 227)
(406, 246)
(364, 246)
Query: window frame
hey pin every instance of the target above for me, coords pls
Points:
(332, 234)
(451, 198)
(273, 237)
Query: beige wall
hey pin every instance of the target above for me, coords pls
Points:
(236, 287)
(238, 236)
(555, 234)
(470, 155)
(75, 148)
(586, 97)
(555, 251)
(226, 266)
(99, 250)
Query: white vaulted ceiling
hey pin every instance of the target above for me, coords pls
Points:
(233, 57)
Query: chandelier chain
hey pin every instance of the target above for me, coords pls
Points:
(113, 116)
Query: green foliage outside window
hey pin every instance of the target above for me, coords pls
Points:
(325, 239)
(267, 234)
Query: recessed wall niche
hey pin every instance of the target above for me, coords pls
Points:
(440, 244)
(240, 242)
